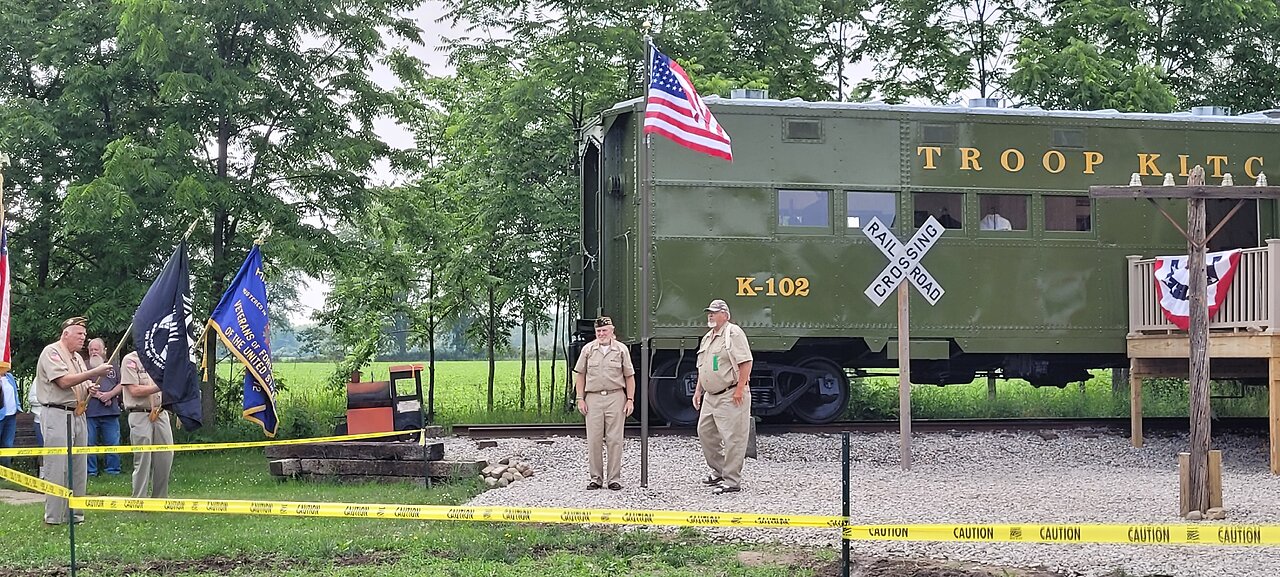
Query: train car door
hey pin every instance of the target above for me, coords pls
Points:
(1240, 232)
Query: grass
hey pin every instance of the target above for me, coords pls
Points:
(114, 543)
(461, 392)
(877, 397)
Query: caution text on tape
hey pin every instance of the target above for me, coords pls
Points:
(99, 450)
(1136, 534)
(34, 483)
(446, 513)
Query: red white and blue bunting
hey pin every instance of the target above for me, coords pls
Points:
(1172, 280)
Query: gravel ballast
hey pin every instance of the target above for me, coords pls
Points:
(1070, 477)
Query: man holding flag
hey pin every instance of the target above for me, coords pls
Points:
(164, 338)
(241, 323)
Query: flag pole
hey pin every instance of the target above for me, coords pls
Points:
(4, 163)
(646, 153)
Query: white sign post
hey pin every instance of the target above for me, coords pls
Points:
(904, 264)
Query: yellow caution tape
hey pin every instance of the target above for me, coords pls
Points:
(42, 451)
(445, 513)
(1206, 534)
(34, 483)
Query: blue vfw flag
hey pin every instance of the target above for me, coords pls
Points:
(164, 334)
(240, 321)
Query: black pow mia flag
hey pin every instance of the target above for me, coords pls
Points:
(164, 335)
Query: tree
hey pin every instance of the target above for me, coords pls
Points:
(936, 50)
(253, 112)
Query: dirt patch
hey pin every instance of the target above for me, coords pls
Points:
(764, 558)
(218, 565)
(881, 567)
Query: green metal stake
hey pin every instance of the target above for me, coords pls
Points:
(71, 513)
(844, 541)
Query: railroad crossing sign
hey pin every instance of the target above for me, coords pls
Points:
(904, 260)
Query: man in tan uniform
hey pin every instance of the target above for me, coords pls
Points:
(63, 385)
(148, 425)
(606, 383)
(724, 419)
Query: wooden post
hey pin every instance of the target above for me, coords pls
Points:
(1199, 352)
(904, 375)
(1184, 482)
(991, 388)
(1273, 411)
(1135, 404)
(1215, 480)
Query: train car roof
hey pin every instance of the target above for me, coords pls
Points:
(1267, 117)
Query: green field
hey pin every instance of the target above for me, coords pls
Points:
(309, 406)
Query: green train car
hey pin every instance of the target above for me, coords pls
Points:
(1033, 270)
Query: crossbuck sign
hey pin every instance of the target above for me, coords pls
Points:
(904, 260)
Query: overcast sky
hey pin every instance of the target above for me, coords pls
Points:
(311, 294)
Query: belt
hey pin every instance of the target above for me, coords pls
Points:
(604, 393)
(63, 407)
(725, 391)
(137, 410)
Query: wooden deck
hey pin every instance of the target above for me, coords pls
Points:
(1244, 340)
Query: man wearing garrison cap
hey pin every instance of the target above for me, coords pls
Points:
(63, 384)
(605, 382)
(724, 419)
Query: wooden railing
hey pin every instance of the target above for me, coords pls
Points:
(1251, 304)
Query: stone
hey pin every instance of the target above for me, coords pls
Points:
(517, 477)
(486, 444)
(1048, 435)
(1216, 514)
(503, 482)
(504, 460)
(1194, 516)
(490, 482)
(508, 476)
(545, 442)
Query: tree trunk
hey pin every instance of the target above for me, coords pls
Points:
(431, 349)
(537, 364)
(1199, 362)
(493, 335)
(524, 357)
(555, 342)
(218, 246)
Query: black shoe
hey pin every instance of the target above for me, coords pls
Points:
(593, 486)
(615, 486)
(722, 489)
(712, 480)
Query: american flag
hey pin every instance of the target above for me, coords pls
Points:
(676, 112)
(6, 360)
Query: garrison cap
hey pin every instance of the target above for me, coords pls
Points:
(604, 322)
(75, 321)
(718, 306)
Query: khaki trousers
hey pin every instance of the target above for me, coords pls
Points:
(723, 429)
(151, 468)
(53, 425)
(606, 418)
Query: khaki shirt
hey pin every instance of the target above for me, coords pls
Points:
(56, 362)
(133, 373)
(719, 354)
(605, 368)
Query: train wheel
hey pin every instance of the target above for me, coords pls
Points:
(812, 407)
(672, 398)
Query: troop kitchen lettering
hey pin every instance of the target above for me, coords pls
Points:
(1052, 161)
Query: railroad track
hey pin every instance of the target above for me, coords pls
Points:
(1246, 425)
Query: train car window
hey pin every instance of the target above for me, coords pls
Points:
(804, 208)
(947, 208)
(861, 206)
(1002, 212)
(1069, 213)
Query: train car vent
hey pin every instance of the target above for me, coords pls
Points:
(801, 130)
(1068, 138)
(938, 133)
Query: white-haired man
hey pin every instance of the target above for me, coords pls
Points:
(723, 399)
